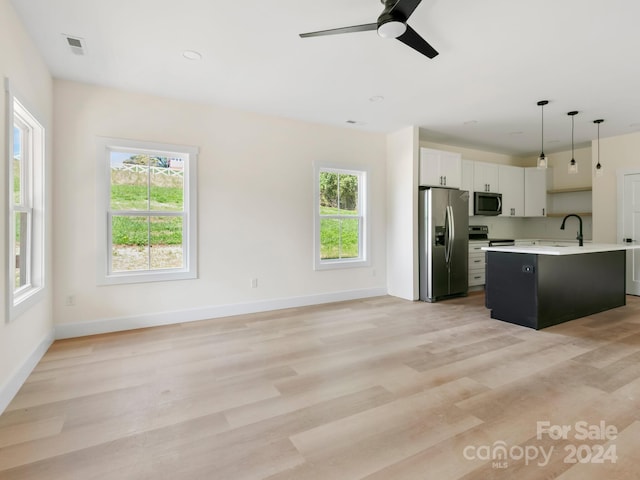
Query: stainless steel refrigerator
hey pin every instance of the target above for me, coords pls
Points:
(444, 243)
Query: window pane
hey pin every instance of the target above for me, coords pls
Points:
(328, 193)
(166, 242)
(348, 194)
(167, 185)
(329, 238)
(21, 249)
(129, 181)
(17, 165)
(350, 231)
(339, 238)
(130, 243)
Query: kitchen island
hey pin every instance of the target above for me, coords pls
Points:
(539, 286)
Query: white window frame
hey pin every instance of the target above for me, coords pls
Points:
(32, 204)
(190, 213)
(363, 203)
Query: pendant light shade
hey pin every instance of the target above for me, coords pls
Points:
(573, 165)
(599, 171)
(543, 161)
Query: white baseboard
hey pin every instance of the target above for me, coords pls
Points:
(93, 327)
(15, 381)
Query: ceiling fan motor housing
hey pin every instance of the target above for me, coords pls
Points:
(391, 24)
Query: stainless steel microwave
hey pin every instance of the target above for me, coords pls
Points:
(487, 203)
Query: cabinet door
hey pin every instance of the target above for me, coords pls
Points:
(451, 169)
(467, 181)
(512, 188)
(429, 172)
(440, 169)
(486, 177)
(535, 192)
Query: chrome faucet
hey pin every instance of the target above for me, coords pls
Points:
(579, 237)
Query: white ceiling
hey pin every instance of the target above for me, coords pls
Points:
(497, 59)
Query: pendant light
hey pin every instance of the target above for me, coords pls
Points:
(599, 170)
(573, 166)
(543, 161)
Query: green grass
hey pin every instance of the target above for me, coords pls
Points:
(134, 197)
(129, 192)
(338, 237)
(137, 230)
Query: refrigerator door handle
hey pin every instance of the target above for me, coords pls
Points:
(449, 234)
(452, 231)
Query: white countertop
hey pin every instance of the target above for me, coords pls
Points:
(562, 250)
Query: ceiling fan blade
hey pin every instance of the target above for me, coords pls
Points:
(415, 41)
(335, 31)
(405, 7)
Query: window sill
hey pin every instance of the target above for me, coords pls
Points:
(145, 277)
(336, 264)
(24, 301)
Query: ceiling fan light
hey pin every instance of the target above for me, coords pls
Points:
(392, 29)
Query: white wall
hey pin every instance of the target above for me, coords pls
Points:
(402, 213)
(616, 153)
(559, 161)
(255, 181)
(23, 340)
(474, 155)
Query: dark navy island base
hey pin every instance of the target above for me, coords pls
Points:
(538, 291)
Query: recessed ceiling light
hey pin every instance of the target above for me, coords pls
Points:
(516, 133)
(376, 98)
(192, 55)
(355, 122)
(470, 122)
(635, 125)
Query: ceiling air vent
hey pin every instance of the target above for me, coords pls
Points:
(75, 44)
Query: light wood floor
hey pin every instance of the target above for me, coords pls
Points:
(375, 389)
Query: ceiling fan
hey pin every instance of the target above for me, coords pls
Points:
(392, 23)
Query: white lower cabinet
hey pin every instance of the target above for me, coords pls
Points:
(477, 262)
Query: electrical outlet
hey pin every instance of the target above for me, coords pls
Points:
(70, 301)
(254, 283)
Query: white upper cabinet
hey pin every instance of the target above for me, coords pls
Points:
(486, 177)
(440, 169)
(535, 192)
(467, 181)
(512, 188)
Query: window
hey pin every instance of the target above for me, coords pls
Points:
(26, 216)
(147, 211)
(341, 221)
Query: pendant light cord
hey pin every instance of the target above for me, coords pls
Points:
(572, 156)
(598, 143)
(572, 114)
(542, 145)
(541, 104)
